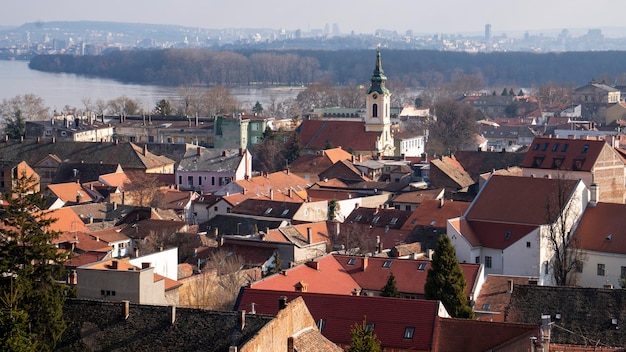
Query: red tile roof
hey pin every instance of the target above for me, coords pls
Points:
(66, 220)
(467, 335)
(410, 274)
(520, 200)
(390, 316)
(70, 191)
(315, 134)
(495, 296)
(499, 235)
(601, 229)
(329, 277)
(417, 197)
(572, 154)
(435, 213)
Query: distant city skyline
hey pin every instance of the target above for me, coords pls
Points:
(363, 16)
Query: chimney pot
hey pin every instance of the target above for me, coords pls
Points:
(282, 302)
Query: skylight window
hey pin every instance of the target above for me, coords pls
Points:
(585, 148)
(376, 218)
(408, 332)
(422, 266)
(351, 261)
(369, 327)
(387, 264)
(358, 217)
(393, 221)
(269, 210)
(555, 147)
(285, 212)
(321, 324)
(507, 235)
(486, 306)
(564, 149)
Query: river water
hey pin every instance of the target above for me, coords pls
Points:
(61, 89)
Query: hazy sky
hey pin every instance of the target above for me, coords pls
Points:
(361, 16)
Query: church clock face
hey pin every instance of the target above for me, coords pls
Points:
(375, 96)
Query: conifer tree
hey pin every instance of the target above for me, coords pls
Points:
(31, 297)
(390, 289)
(445, 281)
(363, 338)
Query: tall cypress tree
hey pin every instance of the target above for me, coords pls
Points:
(445, 281)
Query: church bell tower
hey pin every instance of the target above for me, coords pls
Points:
(378, 108)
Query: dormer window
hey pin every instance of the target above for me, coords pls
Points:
(578, 164)
(538, 160)
(557, 162)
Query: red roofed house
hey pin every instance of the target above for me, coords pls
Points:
(399, 324)
(506, 226)
(369, 137)
(601, 238)
(308, 166)
(343, 274)
(70, 192)
(592, 161)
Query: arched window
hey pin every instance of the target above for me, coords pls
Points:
(374, 110)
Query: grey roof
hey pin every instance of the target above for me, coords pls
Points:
(85, 172)
(129, 156)
(231, 223)
(148, 328)
(216, 160)
(267, 208)
(585, 313)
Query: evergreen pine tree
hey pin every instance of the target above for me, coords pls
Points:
(390, 289)
(31, 297)
(363, 338)
(445, 281)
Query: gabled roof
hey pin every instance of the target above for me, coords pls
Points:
(211, 160)
(177, 200)
(319, 162)
(410, 274)
(234, 224)
(316, 134)
(497, 235)
(520, 200)
(83, 242)
(83, 171)
(298, 234)
(454, 171)
(378, 217)
(476, 163)
(468, 335)
(279, 182)
(339, 313)
(66, 220)
(495, 296)
(267, 208)
(343, 170)
(567, 154)
(323, 275)
(71, 192)
(365, 236)
(601, 229)
(435, 213)
(119, 180)
(417, 197)
(127, 155)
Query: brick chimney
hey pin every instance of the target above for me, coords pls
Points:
(365, 262)
(309, 235)
(199, 151)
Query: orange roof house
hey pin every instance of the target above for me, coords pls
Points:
(308, 166)
(72, 193)
(502, 227)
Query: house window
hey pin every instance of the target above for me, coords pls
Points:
(486, 306)
(538, 160)
(408, 332)
(585, 148)
(527, 244)
(564, 149)
(407, 207)
(369, 327)
(387, 264)
(190, 181)
(285, 212)
(477, 259)
(601, 269)
(487, 261)
(212, 180)
(376, 218)
(180, 180)
(255, 126)
(536, 146)
(358, 217)
(422, 266)
(321, 324)
(555, 147)
(214, 208)
(623, 272)
(545, 146)
(268, 210)
(351, 261)
(199, 180)
(228, 209)
(374, 110)
(393, 221)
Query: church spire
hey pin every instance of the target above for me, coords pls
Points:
(378, 78)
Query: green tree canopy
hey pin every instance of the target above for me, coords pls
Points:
(363, 338)
(445, 281)
(390, 289)
(31, 297)
(163, 108)
(257, 108)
